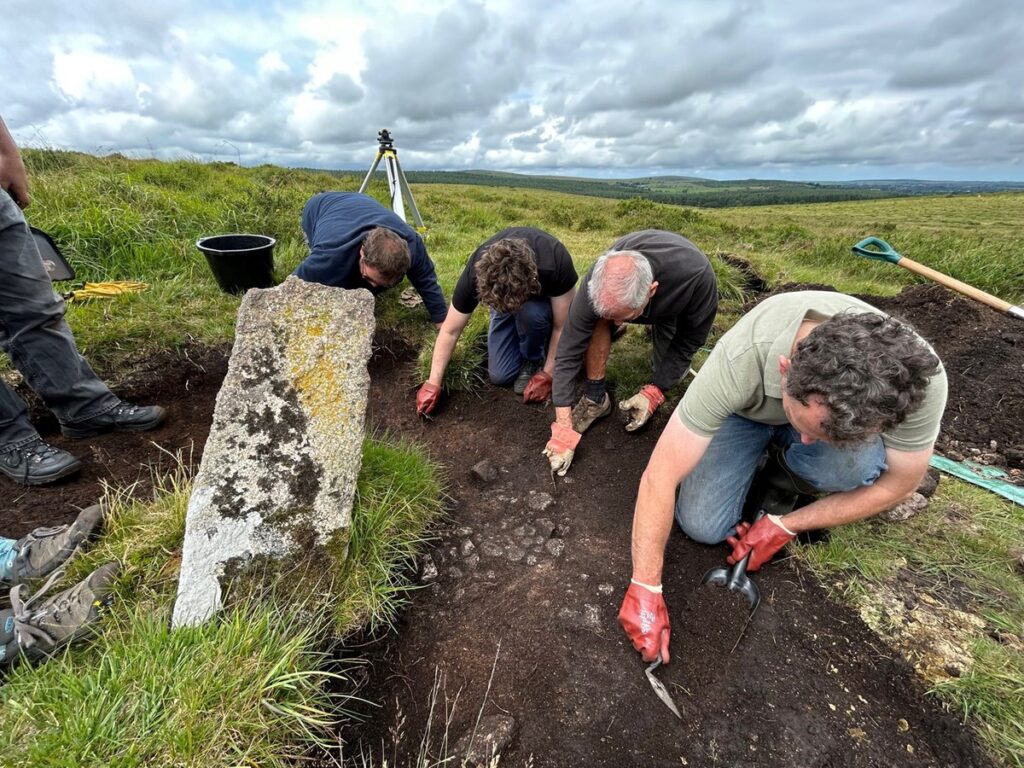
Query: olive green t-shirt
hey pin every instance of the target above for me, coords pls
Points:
(741, 375)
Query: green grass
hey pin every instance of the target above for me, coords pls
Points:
(257, 686)
(961, 554)
(136, 219)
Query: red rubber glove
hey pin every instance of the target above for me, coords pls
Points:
(561, 447)
(426, 398)
(765, 537)
(644, 617)
(538, 390)
(641, 406)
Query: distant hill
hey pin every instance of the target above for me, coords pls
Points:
(708, 193)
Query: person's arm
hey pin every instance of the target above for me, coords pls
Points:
(13, 178)
(766, 536)
(451, 329)
(678, 451)
(424, 279)
(903, 476)
(572, 347)
(559, 312)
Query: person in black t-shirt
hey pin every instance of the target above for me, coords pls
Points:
(528, 280)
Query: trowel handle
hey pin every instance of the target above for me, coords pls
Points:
(740, 569)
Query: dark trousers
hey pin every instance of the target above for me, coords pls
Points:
(516, 337)
(37, 339)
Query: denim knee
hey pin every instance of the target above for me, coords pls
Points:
(500, 378)
(703, 528)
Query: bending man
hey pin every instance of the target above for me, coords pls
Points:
(849, 398)
(528, 280)
(355, 242)
(654, 278)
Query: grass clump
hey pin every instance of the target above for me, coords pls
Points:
(256, 686)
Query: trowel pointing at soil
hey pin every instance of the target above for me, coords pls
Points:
(660, 689)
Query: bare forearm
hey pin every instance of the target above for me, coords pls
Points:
(549, 362)
(563, 416)
(7, 145)
(444, 346)
(652, 523)
(842, 508)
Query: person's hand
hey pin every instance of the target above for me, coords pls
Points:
(644, 617)
(560, 447)
(538, 389)
(640, 407)
(762, 539)
(426, 398)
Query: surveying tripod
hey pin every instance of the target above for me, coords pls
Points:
(399, 187)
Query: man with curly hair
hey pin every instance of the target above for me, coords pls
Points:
(847, 399)
(654, 278)
(527, 279)
(355, 242)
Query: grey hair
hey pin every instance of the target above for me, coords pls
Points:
(620, 289)
(870, 370)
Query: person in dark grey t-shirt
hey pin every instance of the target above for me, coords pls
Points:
(528, 280)
(650, 277)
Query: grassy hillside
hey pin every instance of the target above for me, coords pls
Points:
(121, 219)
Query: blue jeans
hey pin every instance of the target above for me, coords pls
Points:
(516, 337)
(710, 500)
(39, 342)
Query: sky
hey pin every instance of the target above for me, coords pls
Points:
(801, 90)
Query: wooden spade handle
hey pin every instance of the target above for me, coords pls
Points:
(964, 288)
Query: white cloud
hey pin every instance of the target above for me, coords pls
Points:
(739, 87)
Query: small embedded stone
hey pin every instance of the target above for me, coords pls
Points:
(539, 502)
(428, 569)
(485, 471)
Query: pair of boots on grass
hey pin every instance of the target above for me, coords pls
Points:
(35, 626)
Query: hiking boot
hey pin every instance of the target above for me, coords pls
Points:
(37, 463)
(45, 549)
(527, 372)
(125, 417)
(586, 412)
(41, 628)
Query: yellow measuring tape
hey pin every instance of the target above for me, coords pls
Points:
(107, 290)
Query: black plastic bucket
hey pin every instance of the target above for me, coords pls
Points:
(240, 262)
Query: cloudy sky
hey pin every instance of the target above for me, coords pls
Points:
(802, 89)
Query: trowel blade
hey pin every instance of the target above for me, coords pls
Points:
(660, 689)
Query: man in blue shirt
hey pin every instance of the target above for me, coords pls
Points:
(355, 242)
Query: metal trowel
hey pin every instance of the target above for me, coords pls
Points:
(660, 689)
(736, 578)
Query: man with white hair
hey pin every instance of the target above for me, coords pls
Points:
(654, 278)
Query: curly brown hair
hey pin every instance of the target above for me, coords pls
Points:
(870, 370)
(387, 252)
(506, 275)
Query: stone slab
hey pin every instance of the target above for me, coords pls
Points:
(280, 466)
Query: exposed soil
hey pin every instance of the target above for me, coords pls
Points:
(185, 384)
(531, 576)
(983, 353)
(531, 573)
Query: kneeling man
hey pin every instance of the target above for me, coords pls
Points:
(848, 398)
(528, 280)
(653, 278)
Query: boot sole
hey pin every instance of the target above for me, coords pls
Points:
(80, 434)
(45, 479)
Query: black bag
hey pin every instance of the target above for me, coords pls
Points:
(56, 265)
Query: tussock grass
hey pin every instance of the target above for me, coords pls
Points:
(256, 686)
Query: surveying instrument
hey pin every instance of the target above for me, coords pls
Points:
(400, 192)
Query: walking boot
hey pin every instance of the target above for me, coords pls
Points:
(45, 549)
(37, 629)
(530, 367)
(124, 417)
(37, 463)
(586, 412)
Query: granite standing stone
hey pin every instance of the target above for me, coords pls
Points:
(279, 469)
